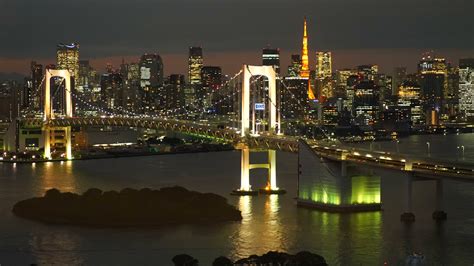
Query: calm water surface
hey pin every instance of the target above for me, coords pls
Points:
(269, 222)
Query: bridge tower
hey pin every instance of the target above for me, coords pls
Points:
(248, 72)
(49, 112)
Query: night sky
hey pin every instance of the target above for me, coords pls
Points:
(386, 32)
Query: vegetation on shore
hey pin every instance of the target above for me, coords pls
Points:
(128, 208)
(272, 258)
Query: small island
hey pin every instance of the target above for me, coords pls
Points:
(128, 208)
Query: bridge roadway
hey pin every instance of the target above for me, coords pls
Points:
(420, 166)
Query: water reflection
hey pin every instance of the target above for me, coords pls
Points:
(260, 230)
(57, 176)
(57, 248)
(344, 239)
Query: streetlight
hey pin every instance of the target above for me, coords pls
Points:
(429, 152)
(462, 148)
(398, 148)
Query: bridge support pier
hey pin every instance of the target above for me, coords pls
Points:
(408, 216)
(246, 166)
(49, 133)
(439, 214)
(343, 168)
(47, 143)
(67, 133)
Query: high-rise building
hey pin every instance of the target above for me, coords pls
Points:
(466, 88)
(409, 96)
(295, 67)
(174, 98)
(111, 90)
(323, 65)
(366, 103)
(271, 57)
(130, 73)
(68, 58)
(368, 72)
(433, 78)
(399, 76)
(151, 82)
(294, 95)
(31, 95)
(211, 78)
(324, 76)
(195, 63)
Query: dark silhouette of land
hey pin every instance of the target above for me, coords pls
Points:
(272, 258)
(128, 208)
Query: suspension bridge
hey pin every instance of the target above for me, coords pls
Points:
(248, 130)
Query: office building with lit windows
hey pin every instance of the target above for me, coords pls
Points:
(195, 63)
(366, 103)
(67, 57)
(409, 95)
(466, 88)
(368, 72)
(271, 57)
(324, 88)
(295, 67)
(211, 78)
(151, 82)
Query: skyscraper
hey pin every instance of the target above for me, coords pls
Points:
(211, 78)
(324, 75)
(195, 63)
(432, 74)
(368, 72)
(399, 76)
(295, 67)
(466, 88)
(271, 57)
(174, 97)
(68, 58)
(151, 82)
(31, 95)
(409, 96)
(366, 103)
(111, 90)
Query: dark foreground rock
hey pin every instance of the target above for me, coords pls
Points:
(272, 258)
(129, 207)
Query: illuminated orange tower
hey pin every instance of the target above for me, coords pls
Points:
(304, 73)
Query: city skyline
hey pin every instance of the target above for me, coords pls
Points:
(388, 34)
